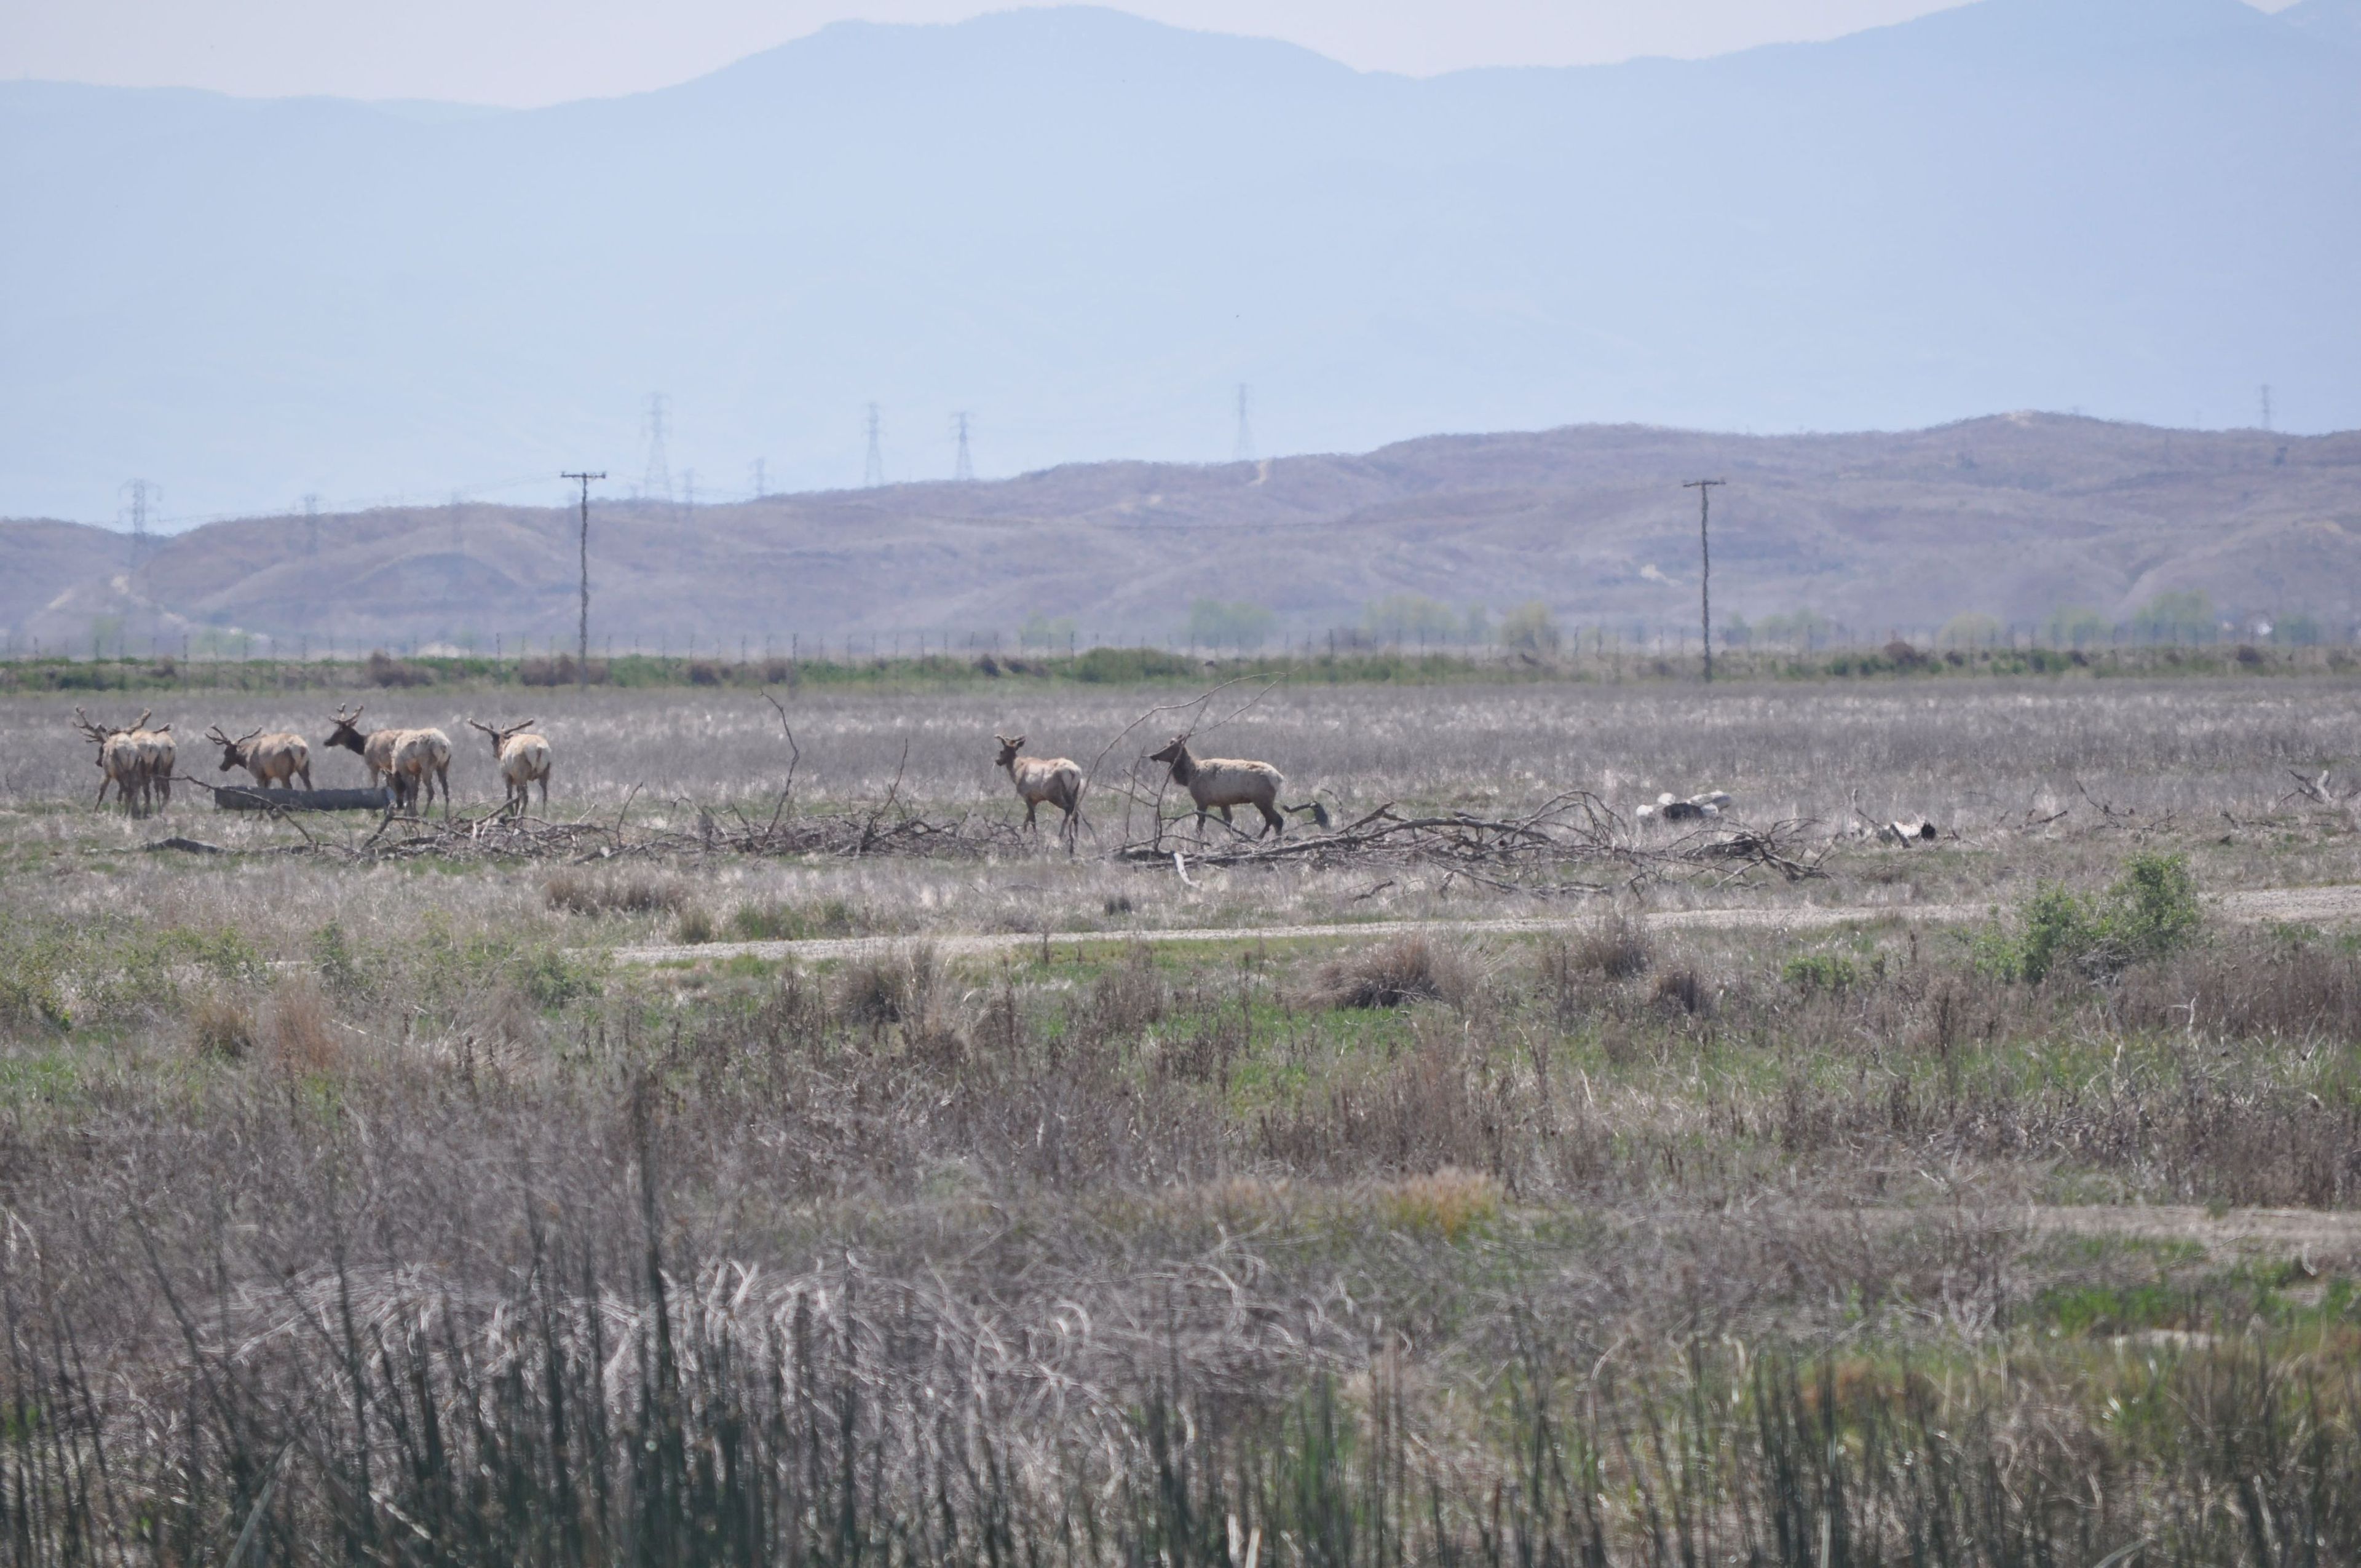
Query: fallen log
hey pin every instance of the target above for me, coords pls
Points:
(244, 797)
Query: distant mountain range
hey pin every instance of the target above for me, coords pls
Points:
(2014, 517)
(1090, 229)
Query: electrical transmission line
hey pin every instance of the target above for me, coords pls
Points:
(964, 468)
(656, 485)
(140, 492)
(873, 473)
(1244, 451)
(2267, 407)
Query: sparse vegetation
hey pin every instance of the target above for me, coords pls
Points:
(1085, 1250)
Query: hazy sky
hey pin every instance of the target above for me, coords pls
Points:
(525, 52)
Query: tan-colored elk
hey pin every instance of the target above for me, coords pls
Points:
(1057, 780)
(118, 761)
(408, 760)
(523, 759)
(279, 758)
(421, 761)
(158, 757)
(1217, 783)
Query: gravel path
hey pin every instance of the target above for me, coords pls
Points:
(2318, 905)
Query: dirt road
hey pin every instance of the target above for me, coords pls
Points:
(2313, 905)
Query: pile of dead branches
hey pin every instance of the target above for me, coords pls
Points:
(874, 831)
(1536, 853)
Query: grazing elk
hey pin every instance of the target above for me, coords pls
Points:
(118, 761)
(402, 758)
(1056, 780)
(523, 759)
(1217, 783)
(280, 759)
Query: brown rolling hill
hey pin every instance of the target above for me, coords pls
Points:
(2012, 516)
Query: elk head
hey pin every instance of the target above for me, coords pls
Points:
(500, 738)
(233, 751)
(1172, 753)
(102, 733)
(347, 732)
(1008, 749)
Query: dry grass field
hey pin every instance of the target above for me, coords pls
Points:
(377, 1196)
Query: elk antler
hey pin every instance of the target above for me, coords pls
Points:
(218, 738)
(90, 731)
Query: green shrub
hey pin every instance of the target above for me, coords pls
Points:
(1830, 972)
(2150, 911)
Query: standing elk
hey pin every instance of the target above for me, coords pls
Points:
(1057, 780)
(404, 757)
(157, 757)
(118, 761)
(523, 759)
(421, 761)
(1217, 783)
(280, 759)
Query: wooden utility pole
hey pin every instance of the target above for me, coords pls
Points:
(1705, 488)
(582, 645)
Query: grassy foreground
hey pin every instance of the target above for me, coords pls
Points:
(441, 1245)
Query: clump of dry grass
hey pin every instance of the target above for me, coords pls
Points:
(636, 891)
(302, 1030)
(1448, 1203)
(903, 984)
(1414, 968)
(1126, 998)
(221, 1025)
(1617, 948)
(1684, 989)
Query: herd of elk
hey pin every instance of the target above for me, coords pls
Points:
(522, 757)
(136, 760)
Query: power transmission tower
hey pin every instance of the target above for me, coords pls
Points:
(1705, 488)
(656, 485)
(1244, 452)
(964, 468)
(688, 490)
(873, 473)
(139, 491)
(312, 524)
(2267, 406)
(582, 647)
(762, 485)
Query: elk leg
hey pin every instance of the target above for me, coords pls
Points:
(1030, 808)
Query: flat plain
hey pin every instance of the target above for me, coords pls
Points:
(1672, 1222)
